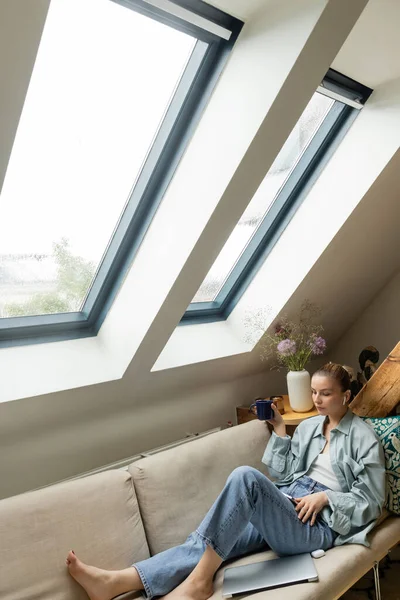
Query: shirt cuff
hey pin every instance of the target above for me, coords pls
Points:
(342, 506)
(280, 442)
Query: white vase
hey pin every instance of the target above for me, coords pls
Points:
(299, 390)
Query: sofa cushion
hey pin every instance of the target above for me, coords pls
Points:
(337, 571)
(388, 431)
(176, 488)
(96, 516)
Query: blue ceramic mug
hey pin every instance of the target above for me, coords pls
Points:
(263, 410)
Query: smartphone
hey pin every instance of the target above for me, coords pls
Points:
(290, 498)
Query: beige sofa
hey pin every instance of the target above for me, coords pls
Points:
(115, 518)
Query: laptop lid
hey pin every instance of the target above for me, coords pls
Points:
(269, 573)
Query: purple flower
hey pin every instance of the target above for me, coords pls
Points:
(286, 347)
(317, 345)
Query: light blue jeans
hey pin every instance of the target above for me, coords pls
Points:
(251, 514)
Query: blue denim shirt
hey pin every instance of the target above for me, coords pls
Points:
(357, 460)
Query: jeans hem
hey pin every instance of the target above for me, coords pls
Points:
(210, 543)
(148, 593)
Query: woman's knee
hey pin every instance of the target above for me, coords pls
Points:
(245, 474)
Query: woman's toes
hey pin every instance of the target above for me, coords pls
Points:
(71, 557)
(96, 582)
(72, 560)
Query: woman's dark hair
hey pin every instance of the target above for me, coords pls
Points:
(338, 373)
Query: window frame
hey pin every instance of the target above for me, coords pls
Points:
(332, 130)
(180, 120)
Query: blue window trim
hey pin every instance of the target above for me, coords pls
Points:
(193, 92)
(324, 143)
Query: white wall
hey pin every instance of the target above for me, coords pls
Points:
(49, 438)
(378, 325)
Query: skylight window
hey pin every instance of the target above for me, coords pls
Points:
(115, 84)
(308, 147)
(90, 116)
(263, 199)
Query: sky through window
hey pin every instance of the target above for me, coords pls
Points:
(103, 78)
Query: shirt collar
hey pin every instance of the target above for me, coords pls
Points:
(343, 426)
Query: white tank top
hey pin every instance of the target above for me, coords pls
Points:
(321, 470)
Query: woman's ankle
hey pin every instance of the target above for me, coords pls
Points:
(127, 580)
(201, 580)
(207, 566)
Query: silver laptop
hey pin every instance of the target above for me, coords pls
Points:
(269, 573)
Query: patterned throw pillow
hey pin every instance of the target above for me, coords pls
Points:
(388, 431)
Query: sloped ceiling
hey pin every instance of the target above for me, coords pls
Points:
(21, 27)
(355, 266)
(360, 260)
(370, 54)
(366, 252)
(242, 9)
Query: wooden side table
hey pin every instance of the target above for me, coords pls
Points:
(290, 417)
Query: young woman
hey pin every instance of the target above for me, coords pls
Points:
(328, 490)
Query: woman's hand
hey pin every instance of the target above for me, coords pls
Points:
(310, 506)
(277, 422)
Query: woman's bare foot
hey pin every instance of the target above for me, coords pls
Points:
(191, 589)
(98, 583)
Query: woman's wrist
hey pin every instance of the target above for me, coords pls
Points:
(280, 430)
(326, 499)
